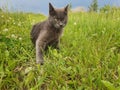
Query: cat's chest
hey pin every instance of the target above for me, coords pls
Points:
(54, 34)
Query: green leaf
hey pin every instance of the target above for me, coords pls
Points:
(29, 78)
(40, 82)
(108, 85)
(118, 88)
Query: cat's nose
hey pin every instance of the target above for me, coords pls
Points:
(61, 24)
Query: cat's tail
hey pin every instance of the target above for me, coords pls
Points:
(32, 34)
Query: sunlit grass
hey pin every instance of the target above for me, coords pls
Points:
(89, 56)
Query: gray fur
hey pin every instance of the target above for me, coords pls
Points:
(48, 33)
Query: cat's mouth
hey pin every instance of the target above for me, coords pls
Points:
(59, 25)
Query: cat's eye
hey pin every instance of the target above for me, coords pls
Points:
(55, 19)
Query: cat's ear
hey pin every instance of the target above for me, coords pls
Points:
(66, 9)
(51, 9)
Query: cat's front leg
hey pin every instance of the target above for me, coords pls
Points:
(57, 44)
(40, 46)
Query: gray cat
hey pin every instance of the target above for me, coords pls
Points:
(48, 33)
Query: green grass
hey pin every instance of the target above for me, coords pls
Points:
(89, 58)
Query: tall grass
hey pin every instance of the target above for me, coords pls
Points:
(89, 58)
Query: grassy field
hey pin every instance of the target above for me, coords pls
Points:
(89, 58)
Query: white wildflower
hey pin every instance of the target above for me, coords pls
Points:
(104, 28)
(5, 30)
(10, 18)
(118, 18)
(20, 38)
(13, 36)
(2, 16)
(75, 23)
(19, 24)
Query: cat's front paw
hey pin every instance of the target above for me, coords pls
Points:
(41, 62)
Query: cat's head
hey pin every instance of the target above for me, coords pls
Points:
(58, 17)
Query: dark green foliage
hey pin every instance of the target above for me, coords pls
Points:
(94, 6)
